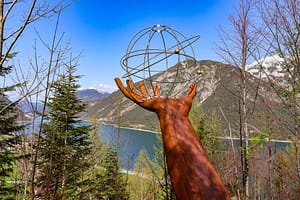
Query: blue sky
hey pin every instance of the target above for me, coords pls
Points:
(101, 31)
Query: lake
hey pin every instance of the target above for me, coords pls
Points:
(133, 140)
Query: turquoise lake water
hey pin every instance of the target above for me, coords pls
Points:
(131, 142)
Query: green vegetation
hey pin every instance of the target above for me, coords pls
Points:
(143, 182)
(65, 142)
(209, 130)
(9, 140)
(113, 182)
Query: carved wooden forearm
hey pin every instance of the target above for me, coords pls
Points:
(192, 175)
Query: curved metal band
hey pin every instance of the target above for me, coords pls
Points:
(158, 52)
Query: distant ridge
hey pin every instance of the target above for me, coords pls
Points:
(86, 95)
(91, 94)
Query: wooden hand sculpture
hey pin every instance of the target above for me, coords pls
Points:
(192, 175)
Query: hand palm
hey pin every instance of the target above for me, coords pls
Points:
(156, 103)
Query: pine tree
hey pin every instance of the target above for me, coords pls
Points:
(113, 182)
(65, 141)
(9, 138)
(91, 182)
(8, 144)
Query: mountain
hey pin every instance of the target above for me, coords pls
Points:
(218, 91)
(90, 95)
(86, 95)
(29, 107)
(6, 101)
(271, 66)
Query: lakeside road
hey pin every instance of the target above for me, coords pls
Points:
(217, 137)
(130, 128)
(266, 139)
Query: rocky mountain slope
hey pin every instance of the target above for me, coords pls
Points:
(218, 91)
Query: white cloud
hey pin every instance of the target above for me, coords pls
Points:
(107, 87)
(101, 87)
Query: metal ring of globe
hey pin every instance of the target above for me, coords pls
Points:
(143, 62)
(156, 52)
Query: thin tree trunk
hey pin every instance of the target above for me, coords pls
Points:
(233, 151)
(1, 30)
(246, 140)
(47, 92)
(270, 169)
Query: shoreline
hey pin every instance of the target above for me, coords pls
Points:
(218, 137)
(130, 128)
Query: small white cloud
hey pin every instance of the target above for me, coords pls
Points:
(107, 87)
(101, 87)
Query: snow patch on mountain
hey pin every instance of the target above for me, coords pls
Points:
(91, 94)
(101, 91)
(268, 67)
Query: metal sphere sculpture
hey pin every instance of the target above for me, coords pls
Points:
(162, 56)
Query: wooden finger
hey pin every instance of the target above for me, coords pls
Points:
(143, 89)
(134, 93)
(192, 90)
(123, 89)
(156, 91)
